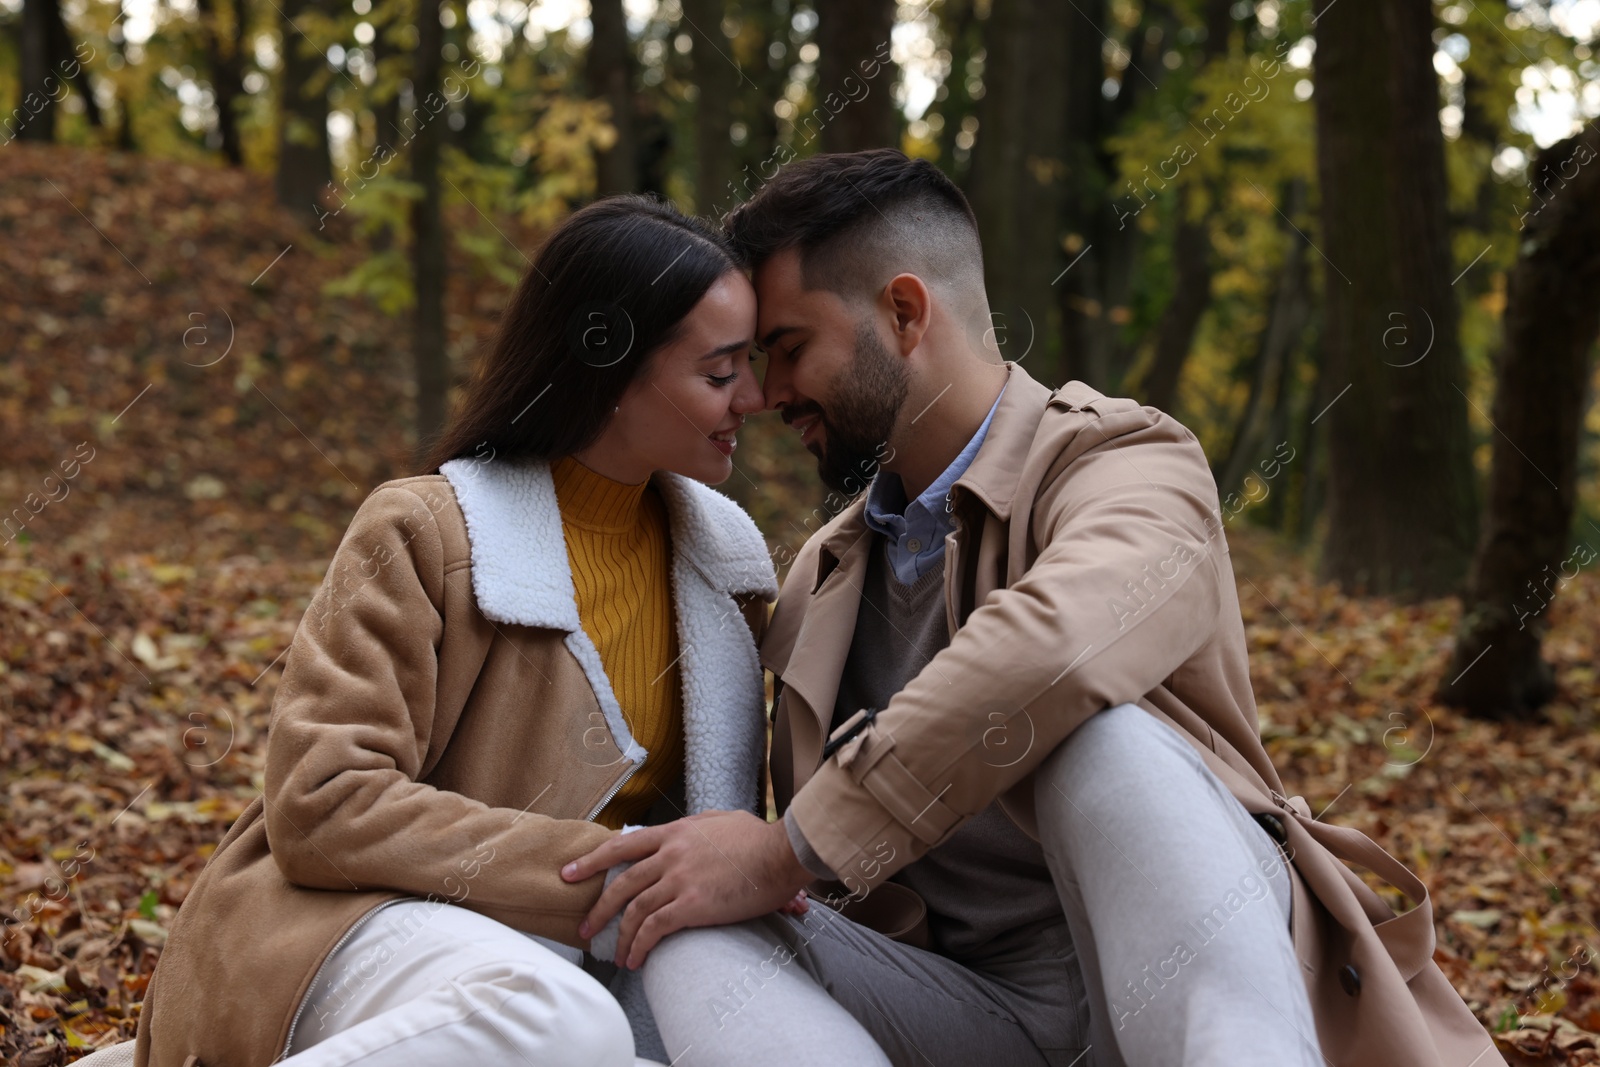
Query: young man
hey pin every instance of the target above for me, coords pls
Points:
(1014, 721)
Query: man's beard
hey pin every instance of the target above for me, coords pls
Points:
(867, 399)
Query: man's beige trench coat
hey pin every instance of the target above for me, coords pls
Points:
(444, 730)
(1088, 568)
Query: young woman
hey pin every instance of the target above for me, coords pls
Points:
(509, 660)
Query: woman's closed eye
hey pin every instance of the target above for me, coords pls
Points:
(722, 381)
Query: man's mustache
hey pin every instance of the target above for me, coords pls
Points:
(799, 411)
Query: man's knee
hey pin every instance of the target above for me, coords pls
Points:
(1124, 736)
(720, 960)
(698, 943)
(678, 955)
(701, 980)
(1118, 756)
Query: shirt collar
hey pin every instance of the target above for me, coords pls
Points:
(886, 505)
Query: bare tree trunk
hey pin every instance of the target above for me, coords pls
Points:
(80, 81)
(718, 81)
(35, 117)
(1282, 498)
(1401, 511)
(1096, 276)
(1191, 253)
(223, 53)
(1018, 177)
(304, 167)
(68, 66)
(1286, 321)
(387, 138)
(1542, 370)
(851, 33)
(652, 144)
(124, 134)
(427, 227)
(1092, 248)
(960, 20)
(1000, 151)
(1308, 477)
(1042, 186)
(609, 70)
(756, 158)
(386, 112)
(1191, 295)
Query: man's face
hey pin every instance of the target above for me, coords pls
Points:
(829, 373)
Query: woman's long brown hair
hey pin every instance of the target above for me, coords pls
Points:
(611, 285)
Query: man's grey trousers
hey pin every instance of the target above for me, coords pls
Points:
(1175, 950)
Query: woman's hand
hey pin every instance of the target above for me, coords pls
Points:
(709, 869)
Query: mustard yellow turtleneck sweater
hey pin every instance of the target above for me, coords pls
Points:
(618, 546)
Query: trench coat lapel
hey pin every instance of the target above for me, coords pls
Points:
(810, 656)
(809, 642)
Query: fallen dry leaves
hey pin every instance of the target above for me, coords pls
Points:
(1499, 821)
(145, 612)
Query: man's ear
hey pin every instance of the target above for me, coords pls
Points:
(911, 308)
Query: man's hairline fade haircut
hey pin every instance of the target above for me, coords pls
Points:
(837, 211)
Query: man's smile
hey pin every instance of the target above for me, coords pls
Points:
(806, 424)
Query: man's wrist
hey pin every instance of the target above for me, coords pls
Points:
(791, 873)
(803, 851)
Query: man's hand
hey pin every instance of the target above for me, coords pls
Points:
(708, 869)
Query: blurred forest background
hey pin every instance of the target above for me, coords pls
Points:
(249, 249)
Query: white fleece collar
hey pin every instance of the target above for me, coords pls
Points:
(521, 575)
(520, 571)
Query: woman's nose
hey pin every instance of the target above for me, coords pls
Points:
(775, 389)
(747, 394)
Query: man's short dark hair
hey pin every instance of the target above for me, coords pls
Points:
(859, 218)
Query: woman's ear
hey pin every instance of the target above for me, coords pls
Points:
(911, 307)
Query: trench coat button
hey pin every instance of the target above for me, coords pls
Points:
(1273, 826)
(1350, 979)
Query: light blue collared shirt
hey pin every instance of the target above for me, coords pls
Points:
(914, 533)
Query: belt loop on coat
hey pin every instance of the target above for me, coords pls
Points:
(1295, 805)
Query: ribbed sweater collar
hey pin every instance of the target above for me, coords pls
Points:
(591, 500)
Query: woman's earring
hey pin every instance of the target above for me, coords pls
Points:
(616, 409)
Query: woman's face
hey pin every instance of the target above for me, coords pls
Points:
(681, 413)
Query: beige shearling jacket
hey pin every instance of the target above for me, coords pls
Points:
(444, 729)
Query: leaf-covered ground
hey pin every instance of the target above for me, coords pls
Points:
(149, 589)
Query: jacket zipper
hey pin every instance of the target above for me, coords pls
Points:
(613, 791)
(317, 978)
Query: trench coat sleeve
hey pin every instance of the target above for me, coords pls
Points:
(352, 725)
(1126, 586)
